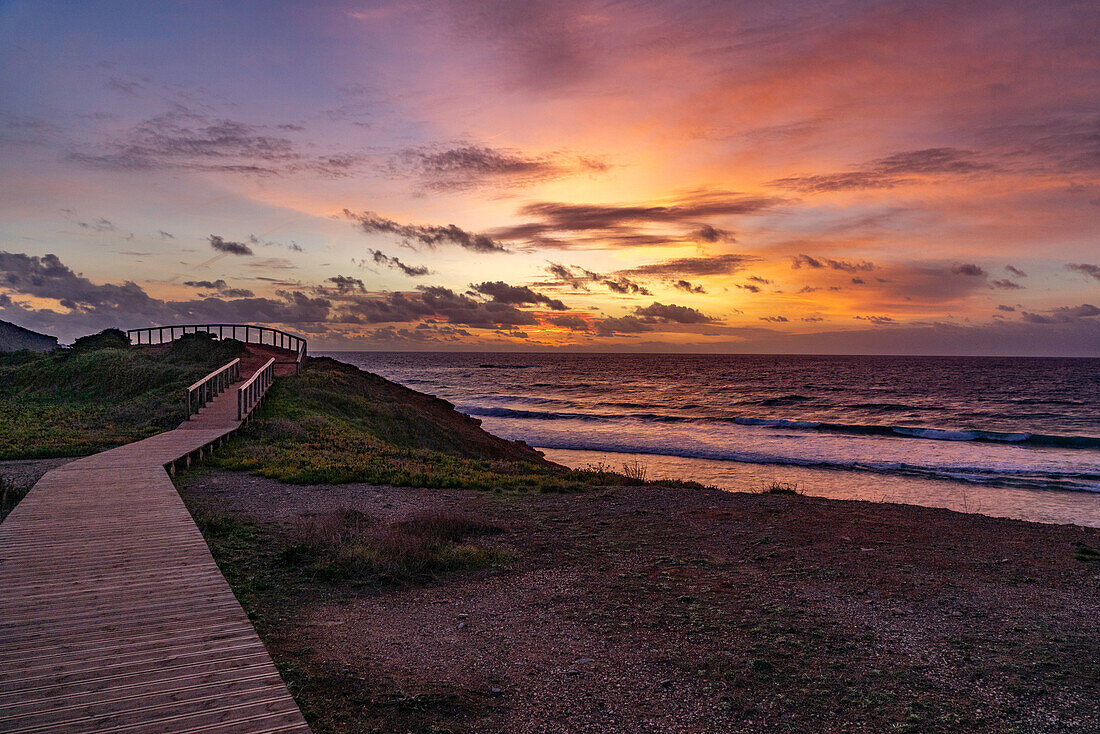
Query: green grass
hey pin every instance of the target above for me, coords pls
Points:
(99, 394)
(335, 423)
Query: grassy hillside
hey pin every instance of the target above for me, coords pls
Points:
(335, 423)
(100, 393)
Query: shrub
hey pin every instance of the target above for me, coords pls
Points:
(777, 487)
(106, 339)
(347, 544)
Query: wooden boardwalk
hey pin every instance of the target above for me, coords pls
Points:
(114, 616)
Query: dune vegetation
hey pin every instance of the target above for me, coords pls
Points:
(99, 393)
(335, 423)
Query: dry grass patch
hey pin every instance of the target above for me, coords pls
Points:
(346, 544)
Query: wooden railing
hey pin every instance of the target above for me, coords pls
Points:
(251, 334)
(252, 392)
(208, 388)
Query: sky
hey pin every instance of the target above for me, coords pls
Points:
(795, 177)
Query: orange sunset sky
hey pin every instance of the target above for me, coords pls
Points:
(823, 177)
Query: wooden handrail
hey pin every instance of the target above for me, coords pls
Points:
(208, 388)
(252, 391)
(253, 334)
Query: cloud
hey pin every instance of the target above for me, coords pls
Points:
(623, 325)
(694, 266)
(1015, 271)
(428, 235)
(99, 225)
(501, 292)
(181, 138)
(571, 322)
(346, 284)
(968, 269)
(818, 263)
(471, 166)
(710, 234)
(91, 307)
(601, 226)
(579, 278)
(671, 312)
(1005, 284)
(1062, 314)
(876, 319)
(688, 287)
(229, 247)
(775, 319)
(1090, 270)
(413, 271)
(221, 287)
(890, 171)
(166, 235)
(1009, 309)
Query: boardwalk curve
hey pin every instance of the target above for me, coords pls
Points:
(114, 616)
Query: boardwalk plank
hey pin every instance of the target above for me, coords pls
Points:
(114, 616)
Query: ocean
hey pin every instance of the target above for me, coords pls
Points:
(1014, 437)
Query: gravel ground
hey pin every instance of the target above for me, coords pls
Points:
(23, 473)
(669, 610)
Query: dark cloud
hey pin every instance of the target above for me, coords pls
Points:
(1062, 314)
(579, 278)
(890, 171)
(516, 295)
(750, 287)
(564, 225)
(461, 309)
(571, 322)
(346, 284)
(181, 138)
(694, 266)
(220, 287)
(471, 166)
(672, 312)
(254, 240)
(1090, 270)
(92, 307)
(758, 279)
(710, 234)
(1015, 271)
(818, 263)
(688, 287)
(968, 269)
(1005, 284)
(166, 235)
(623, 325)
(877, 319)
(428, 235)
(1009, 309)
(423, 333)
(230, 248)
(413, 271)
(775, 319)
(99, 225)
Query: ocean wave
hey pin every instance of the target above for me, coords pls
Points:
(903, 432)
(1018, 477)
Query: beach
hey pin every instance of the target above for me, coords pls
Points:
(676, 610)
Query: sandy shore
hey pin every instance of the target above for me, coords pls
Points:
(670, 610)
